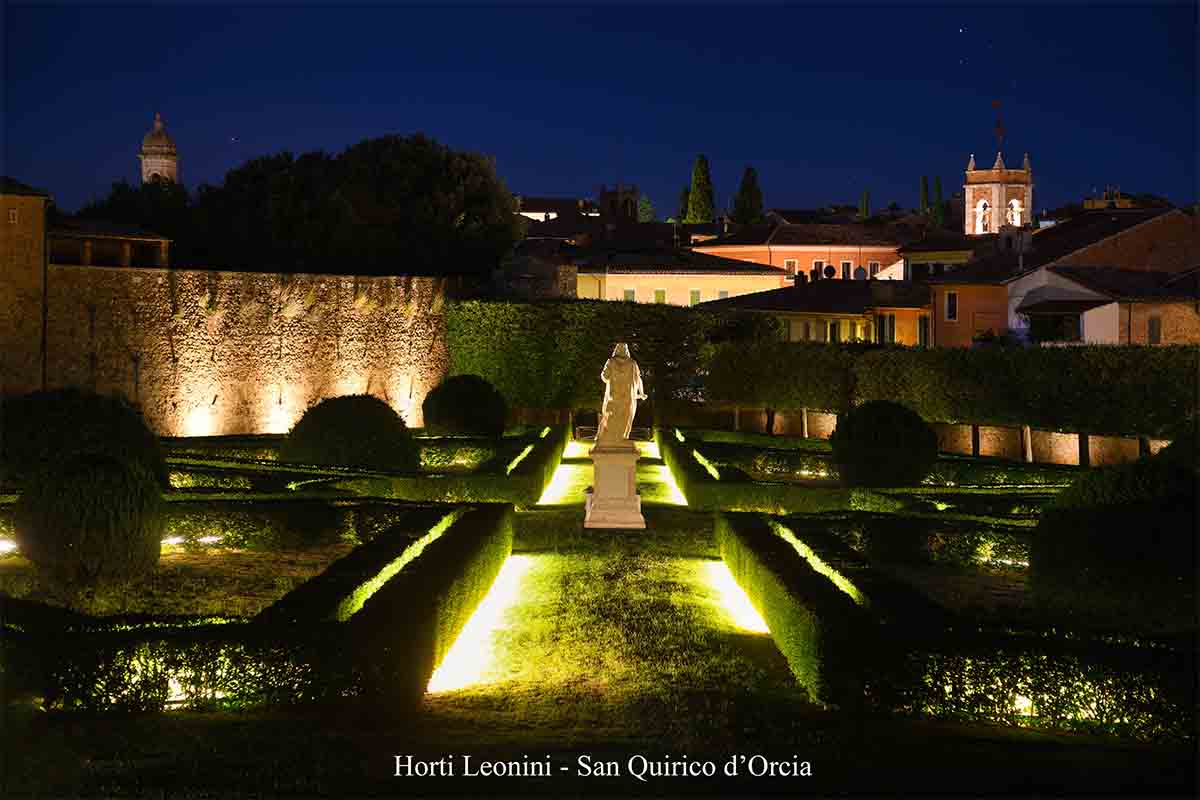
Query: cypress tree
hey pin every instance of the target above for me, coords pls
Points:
(684, 196)
(924, 194)
(700, 199)
(645, 209)
(864, 205)
(748, 202)
(939, 206)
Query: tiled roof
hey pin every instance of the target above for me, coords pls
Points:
(13, 186)
(852, 234)
(600, 259)
(1051, 244)
(748, 235)
(947, 240)
(1134, 284)
(1060, 306)
(75, 227)
(832, 297)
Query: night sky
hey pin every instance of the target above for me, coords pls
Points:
(824, 102)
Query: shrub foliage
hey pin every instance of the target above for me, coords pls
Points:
(466, 404)
(91, 518)
(881, 443)
(46, 427)
(352, 431)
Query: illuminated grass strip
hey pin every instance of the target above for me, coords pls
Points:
(353, 603)
(708, 465)
(649, 450)
(473, 655)
(576, 449)
(735, 601)
(814, 561)
(520, 457)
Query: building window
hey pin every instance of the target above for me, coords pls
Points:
(885, 328)
(660, 295)
(12, 216)
(790, 265)
(835, 332)
(846, 267)
(818, 270)
(873, 267)
(951, 306)
(694, 297)
(631, 295)
(923, 330)
(1154, 330)
(722, 294)
(860, 274)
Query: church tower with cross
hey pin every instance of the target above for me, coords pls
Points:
(997, 195)
(160, 161)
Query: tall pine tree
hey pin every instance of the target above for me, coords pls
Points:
(701, 205)
(748, 202)
(924, 194)
(864, 205)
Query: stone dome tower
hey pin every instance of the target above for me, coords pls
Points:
(158, 156)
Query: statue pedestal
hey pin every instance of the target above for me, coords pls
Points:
(612, 500)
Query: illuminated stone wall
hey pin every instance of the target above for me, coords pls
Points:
(208, 352)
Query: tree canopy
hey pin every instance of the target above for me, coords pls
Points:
(701, 205)
(645, 210)
(392, 204)
(748, 202)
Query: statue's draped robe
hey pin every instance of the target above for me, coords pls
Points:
(622, 388)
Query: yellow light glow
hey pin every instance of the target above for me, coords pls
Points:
(814, 561)
(1023, 705)
(520, 457)
(279, 418)
(649, 450)
(201, 421)
(679, 435)
(172, 541)
(545, 432)
(7, 546)
(209, 539)
(735, 601)
(562, 485)
(472, 656)
(577, 449)
(708, 465)
(661, 474)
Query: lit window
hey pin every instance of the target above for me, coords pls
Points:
(12, 216)
(790, 265)
(818, 270)
(660, 295)
(951, 306)
(631, 295)
(1154, 330)
(846, 266)
(983, 217)
(722, 294)
(874, 268)
(694, 297)
(1014, 212)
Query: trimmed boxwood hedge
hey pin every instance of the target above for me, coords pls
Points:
(352, 431)
(736, 491)
(386, 652)
(1145, 390)
(881, 443)
(818, 628)
(465, 404)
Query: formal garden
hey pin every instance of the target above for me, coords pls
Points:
(287, 613)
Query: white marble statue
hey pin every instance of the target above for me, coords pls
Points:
(622, 389)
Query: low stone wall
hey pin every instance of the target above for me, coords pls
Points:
(211, 353)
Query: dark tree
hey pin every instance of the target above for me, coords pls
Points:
(645, 210)
(924, 194)
(162, 207)
(864, 205)
(701, 205)
(684, 197)
(939, 205)
(748, 202)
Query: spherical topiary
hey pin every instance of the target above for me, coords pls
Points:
(42, 428)
(352, 431)
(881, 443)
(91, 518)
(466, 404)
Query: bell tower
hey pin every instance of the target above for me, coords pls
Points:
(997, 196)
(159, 159)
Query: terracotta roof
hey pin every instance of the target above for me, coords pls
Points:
(600, 260)
(15, 187)
(818, 234)
(1051, 244)
(1060, 306)
(832, 297)
(1134, 284)
(947, 240)
(75, 227)
(748, 235)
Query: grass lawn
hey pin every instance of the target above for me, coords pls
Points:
(211, 581)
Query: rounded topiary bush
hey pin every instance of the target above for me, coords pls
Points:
(352, 431)
(46, 427)
(91, 518)
(881, 443)
(466, 404)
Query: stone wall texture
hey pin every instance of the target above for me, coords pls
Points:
(23, 244)
(211, 352)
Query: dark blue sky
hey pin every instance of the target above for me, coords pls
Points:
(824, 102)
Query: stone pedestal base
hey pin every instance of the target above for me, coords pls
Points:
(612, 500)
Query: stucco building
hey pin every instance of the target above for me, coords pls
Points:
(668, 275)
